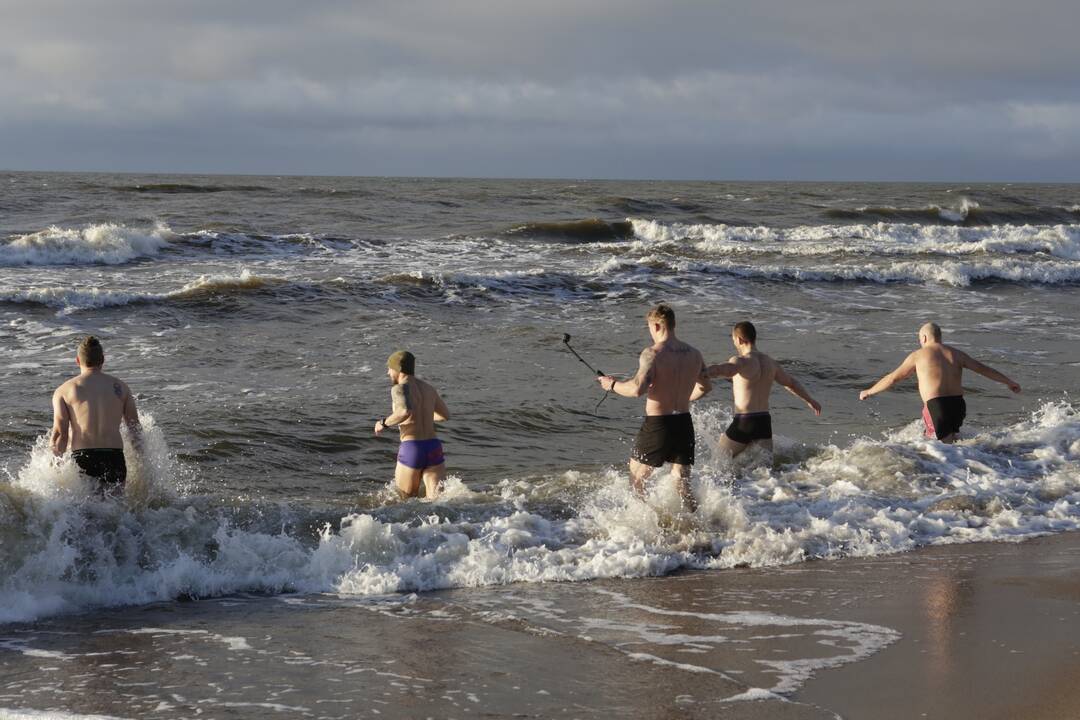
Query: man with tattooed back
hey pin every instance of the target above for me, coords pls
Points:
(87, 412)
(416, 408)
(669, 371)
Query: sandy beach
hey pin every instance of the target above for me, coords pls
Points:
(974, 631)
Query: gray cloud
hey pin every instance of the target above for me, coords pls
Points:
(970, 89)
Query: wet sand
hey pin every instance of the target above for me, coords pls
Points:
(972, 631)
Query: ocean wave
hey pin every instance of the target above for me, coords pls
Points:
(957, 274)
(886, 239)
(104, 244)
(185, 188)
(575, 231)
(67, 552)
(467, 287)
(69, 300)
(966, 212)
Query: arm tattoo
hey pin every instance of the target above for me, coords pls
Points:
(401, 399)
(645, 368)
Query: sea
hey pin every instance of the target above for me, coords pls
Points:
(260, 564)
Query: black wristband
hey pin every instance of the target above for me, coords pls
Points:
(386, 424)
(613, 383)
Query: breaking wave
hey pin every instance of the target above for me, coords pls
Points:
(67, 551)
(104, 244)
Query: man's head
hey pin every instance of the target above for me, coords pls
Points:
(400, 363)
(930, 332)
(744, 334)
(91, 354)
(661, 320)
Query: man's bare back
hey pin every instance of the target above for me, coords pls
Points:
(87, 413)
(669, 373)
(94, 404)
(672, 369)
(423, 401)
(939, 369)
(416, 407)
(752, 375)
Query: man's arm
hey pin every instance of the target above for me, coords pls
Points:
(131, 419)
(794, 387)
(904, 370)
(442, 414)
(58, 438)
(724, 370)
(986, 371)
(703, 386)
(637, 385)
(401, 409)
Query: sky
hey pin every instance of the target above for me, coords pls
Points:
(976, 90)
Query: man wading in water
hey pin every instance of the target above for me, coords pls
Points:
(416, 408)
(752, 374)
(669, 371)
(87, 412)
(939, 368)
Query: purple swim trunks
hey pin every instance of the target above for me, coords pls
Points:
(420, 454)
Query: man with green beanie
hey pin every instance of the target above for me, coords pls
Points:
(416, 407)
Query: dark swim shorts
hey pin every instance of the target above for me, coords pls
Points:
(943, 416)
(421, 454)
(106, 465)
(665, 438)
(745, 428)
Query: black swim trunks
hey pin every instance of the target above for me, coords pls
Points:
(106, 465)
(943, 416)
(745, 428)
(665, 438)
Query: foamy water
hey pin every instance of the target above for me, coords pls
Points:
(874, 496)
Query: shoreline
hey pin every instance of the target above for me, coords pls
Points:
(987, 630)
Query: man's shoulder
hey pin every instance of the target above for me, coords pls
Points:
(63, 388)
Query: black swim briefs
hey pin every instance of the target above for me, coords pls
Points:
(106, 465)
(745, 428)
(665, 438)
(943, 416)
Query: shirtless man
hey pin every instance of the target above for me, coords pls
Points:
(939, 368)
(669, 371)
(87, 412)
(416, 408)
(752, 374)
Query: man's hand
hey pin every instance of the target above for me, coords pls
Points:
(606, 382)
(865, 394)
(379, 426)
(1015, 387)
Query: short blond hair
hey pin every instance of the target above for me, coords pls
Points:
(664, 314)
(91, 354)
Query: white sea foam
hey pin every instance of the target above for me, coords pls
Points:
(888, 239)
(873, 496)
(104, 244)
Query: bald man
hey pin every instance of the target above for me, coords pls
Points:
(939, 368)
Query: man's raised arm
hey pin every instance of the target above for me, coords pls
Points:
(794, 387)
(988, 372)
(637, 385)
(904, 370)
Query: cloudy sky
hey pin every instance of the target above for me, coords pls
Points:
(755, 89)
